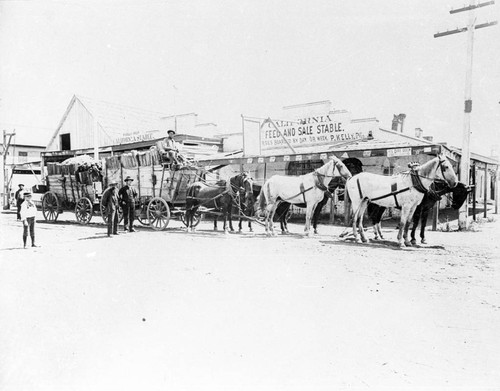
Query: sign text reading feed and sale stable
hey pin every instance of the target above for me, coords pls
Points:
(309, 132)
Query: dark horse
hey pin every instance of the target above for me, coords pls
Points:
(222, 197)
(246, 208)
(437, 189)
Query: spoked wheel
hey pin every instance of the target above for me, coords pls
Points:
(196, 219)
(158, 214)
(143, 215)
(84, 210)
(104, 214)
(50, 207)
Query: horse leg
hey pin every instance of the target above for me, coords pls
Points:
(415, 219)
(271, 217)
(230, 216)
(309, 212)
(423, 223)
(361, 212)
(215, 223)
(405, 223)
(355, 222)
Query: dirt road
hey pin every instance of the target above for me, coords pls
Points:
(207, 311)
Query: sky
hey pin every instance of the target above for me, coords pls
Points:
(222, 59)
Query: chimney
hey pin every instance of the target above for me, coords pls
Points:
(397, 120)
(428, 138)
(418, 133)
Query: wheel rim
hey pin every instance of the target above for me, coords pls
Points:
(83, 210)
(50, 207)
(143, 220)
(158, 214)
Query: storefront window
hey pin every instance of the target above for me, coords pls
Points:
(305, 167)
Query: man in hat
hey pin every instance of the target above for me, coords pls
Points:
(28, 214)
(110, 203)
(170, 147)
(127, 195)
(19, 196)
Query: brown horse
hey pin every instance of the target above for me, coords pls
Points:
(221, 197)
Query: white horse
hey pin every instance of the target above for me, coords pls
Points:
(404, 190)
(306, 189)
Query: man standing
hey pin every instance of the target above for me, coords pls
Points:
(127, 196)
(19, 196)
(28, 214)
(110, 203)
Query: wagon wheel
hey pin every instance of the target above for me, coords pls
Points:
(104, 214)
(196, 219)
(84, 210)
(50, 207)
(158, 214)
(143, 216)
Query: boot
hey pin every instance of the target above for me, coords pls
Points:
(24, 240)
(33, 242)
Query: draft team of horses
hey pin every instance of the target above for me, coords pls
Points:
(414, 192)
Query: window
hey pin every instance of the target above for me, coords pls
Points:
(22, 156)
(65, 142)
(305, 167)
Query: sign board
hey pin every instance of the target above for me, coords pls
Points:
(134, 137)
(309, 133)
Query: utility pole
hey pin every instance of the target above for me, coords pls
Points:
(5, 150)
(465, 160)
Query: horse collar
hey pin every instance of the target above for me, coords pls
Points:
(417, 182)
(319, 182)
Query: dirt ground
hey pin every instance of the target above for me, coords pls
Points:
(207, 311)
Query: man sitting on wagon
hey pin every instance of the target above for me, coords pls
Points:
(169, 148)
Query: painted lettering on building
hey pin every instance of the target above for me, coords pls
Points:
(318, 131)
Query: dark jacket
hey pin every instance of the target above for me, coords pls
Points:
(127, 195)
(110, 199)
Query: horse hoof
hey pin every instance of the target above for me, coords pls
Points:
(408, 244)
(365, 240)
(250, 230)
(413, 242)
(423, 241)
(315, 232)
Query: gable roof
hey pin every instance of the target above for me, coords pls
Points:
(114, 118)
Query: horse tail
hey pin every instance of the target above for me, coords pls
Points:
(262, 202)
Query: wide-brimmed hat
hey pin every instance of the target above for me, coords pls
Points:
(113, 183)
(128, 178)
(171, 131)
(21, 184)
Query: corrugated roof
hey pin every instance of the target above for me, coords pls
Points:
(475, 156)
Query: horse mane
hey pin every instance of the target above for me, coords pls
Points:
(425, 168)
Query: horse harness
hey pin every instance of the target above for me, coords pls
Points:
(416, 184)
